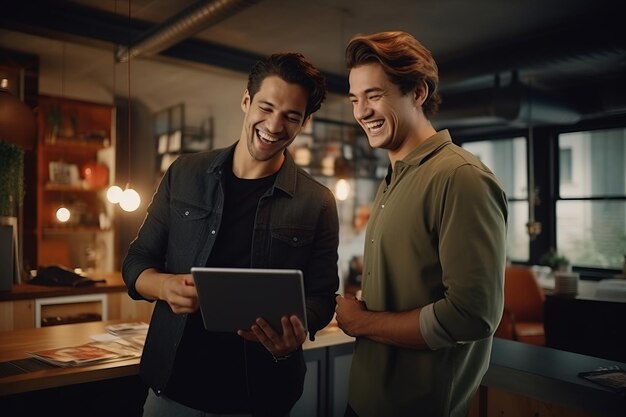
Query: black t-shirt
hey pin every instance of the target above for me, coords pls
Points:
(210, 369)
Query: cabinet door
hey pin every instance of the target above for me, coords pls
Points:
(313, 400)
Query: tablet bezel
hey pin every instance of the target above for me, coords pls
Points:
(230, 297)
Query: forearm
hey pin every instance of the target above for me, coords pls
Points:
(397, 329)
(150, 284)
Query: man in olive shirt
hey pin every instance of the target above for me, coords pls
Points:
(432, 291)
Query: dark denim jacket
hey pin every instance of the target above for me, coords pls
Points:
(296, 227)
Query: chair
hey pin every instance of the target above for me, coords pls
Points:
(522, 319)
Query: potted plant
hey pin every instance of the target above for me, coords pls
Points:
(555, 260)
(11, 199)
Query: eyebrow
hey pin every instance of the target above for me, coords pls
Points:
(369, 90)
(291, 112)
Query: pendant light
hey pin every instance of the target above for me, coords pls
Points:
(63, 213)
(128, 199)
(17, 121)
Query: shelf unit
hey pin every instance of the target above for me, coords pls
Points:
(174, 136)
(340, 149)
(75, 166)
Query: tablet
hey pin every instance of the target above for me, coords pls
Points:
(233, 298)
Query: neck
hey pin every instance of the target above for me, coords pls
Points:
(419, 135)
(246, 167)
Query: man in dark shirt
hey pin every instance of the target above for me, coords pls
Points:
(247, 206)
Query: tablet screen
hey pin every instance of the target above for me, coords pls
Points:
(232, 298)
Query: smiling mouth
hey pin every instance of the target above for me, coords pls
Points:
(266, 138)
(374, 126)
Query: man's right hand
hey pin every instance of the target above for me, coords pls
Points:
(180, 293)
(178, 290)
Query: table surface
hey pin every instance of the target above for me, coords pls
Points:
(15, 345)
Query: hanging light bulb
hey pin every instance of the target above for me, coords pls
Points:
(63, 214)
(130, 199)
(114, 194)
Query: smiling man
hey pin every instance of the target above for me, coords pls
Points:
(433, 266)
(245, 206)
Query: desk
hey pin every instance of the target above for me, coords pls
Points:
(551, 376)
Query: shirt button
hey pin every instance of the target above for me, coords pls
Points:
(295, 239)
(212, 232)
(382, 206)
(187, 213)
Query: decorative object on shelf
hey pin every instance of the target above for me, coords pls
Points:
(95, 174)
(11, 199)
(63, 173)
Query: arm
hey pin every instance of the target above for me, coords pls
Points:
(397, 329)
(472, 274)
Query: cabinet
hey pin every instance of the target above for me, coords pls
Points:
(75, 165)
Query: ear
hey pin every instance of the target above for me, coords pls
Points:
(245, 101)
(420, 93)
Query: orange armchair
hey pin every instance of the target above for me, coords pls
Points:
(522, 319)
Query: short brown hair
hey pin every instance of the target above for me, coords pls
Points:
(293, 68)
(403, 58)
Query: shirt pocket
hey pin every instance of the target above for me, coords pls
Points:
(291, 246)
(188, 222)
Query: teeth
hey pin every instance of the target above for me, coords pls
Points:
(266, 137)
(374, 125)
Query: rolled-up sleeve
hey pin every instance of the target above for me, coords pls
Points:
(472, 247)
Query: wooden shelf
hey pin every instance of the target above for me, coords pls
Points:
(71, 135)
(79, 188)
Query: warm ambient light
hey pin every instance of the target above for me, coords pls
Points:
(342, 189)
(130, 200)
(63, 214)
(114, 194)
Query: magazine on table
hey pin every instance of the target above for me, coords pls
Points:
(87, 353)
(122, 329)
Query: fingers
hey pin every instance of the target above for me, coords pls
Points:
(292, 337)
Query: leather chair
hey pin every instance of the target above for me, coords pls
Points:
(522, 319)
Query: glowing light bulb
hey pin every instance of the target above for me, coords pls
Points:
(342, 189)
(130, 200)
(114, 194)
(63, 214)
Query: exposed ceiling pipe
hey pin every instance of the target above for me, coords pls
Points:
(182, 26)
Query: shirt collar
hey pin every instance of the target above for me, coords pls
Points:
(285, 180)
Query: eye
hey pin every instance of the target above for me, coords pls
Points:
(293, 119)
(375, 97)
(265, 109)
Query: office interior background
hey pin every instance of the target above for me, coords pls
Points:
(536, 89)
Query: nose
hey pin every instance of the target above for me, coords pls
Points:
(274, 123)
(361, 110)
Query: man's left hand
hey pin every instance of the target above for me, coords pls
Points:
(279, 345)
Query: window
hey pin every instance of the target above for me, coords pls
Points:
(507, 159)
(591, 208)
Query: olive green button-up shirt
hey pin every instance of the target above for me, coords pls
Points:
(436, 240)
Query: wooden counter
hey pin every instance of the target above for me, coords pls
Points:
(114, 283)
(520, 375)
(21, 308)
(14, 346)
